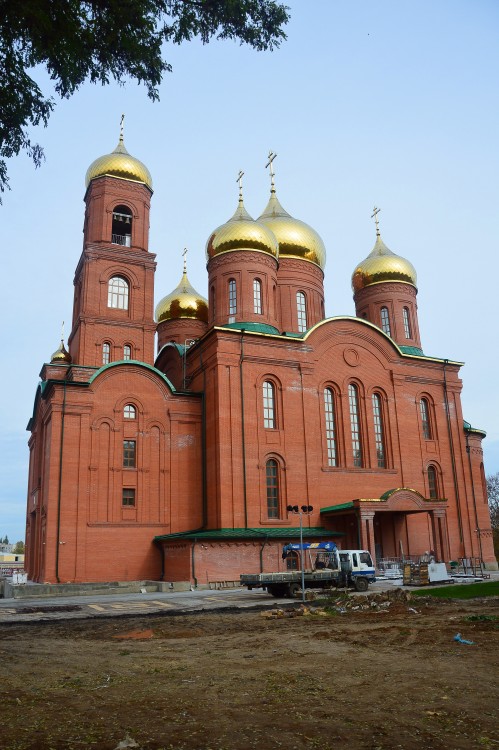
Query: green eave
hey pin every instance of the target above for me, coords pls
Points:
(337, 508)
(285, 532)
(293, 335)
(414, 350)
(254, 327)
(468, 428)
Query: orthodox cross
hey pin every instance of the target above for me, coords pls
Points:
(62, 332)
(122, 125)
(271, 158)
(240, 181)
(374, 216)
(185, 259)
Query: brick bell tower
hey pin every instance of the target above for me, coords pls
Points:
(114, 279)
(384, 287)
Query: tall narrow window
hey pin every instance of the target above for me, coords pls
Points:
(379, 436)
(385, 321)
(106, 353)
(127, 352)
(117, 293)
(301, 309)
(129, 411)
(425, 418)
(432, 482)
(272, 479)
(407, 323)
(353, 400)
(232, 297)
(268, 405)
(129, 454)
(128, 497)
(330, 427)
(257, 296)
(213, 300)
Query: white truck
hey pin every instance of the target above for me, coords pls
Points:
(324, 566)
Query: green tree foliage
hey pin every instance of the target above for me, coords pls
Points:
(493, 495)
(101, 40)
(18, 548)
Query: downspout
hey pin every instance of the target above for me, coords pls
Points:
(468, 451)
(59, 489)
(193, 563)
(453, 460)
(203, 447)
(245, 498)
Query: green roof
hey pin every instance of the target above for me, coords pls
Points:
(336, 508)
(415, 350)
(256, 327)
(293, 335)
(286, 532)
(469, 428)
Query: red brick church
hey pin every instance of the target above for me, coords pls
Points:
(180, 465)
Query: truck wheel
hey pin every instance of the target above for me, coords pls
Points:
(293, 589)
(361, 583)
(276, 591)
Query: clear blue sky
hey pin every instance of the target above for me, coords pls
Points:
(388, 103)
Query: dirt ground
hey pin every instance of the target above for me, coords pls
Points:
(376, 677)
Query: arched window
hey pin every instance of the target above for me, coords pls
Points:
(129, 411)
(484, 484)
(127, 352)
(329, 412)
(117, 293)
(385, 321)
(407, 323)
(269, 405)
(301, 309)
(106, 353)
(232, 297)
(213, 300)
(121, 232)
(257, 296)
(272, 481)
(425, 418)
(353, 401)
(379, 436)
(432, 482)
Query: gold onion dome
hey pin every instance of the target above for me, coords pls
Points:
(183, 302)
(383, 265)
(241, 232)
(61, 355)
(119, 164)
(296, 239)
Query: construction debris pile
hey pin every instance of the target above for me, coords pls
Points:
(380, 602)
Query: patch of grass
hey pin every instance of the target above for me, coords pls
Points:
(466, 591)
(482, 618)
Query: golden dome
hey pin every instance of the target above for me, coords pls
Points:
(296, 239)
(183, 302)
(241, 232)
(60, 356)
(119, 164)
(383, 265)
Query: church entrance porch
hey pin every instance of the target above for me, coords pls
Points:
(399, 524)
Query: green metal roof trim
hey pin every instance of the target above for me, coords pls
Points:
(468, 428)
(255, 327)
(336, 508)
(133, 362)
(293, 335)
(274, 533)
(414, 350)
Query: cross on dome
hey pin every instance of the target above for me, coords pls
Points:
(271, 158)
(374, 216)
(240, 182)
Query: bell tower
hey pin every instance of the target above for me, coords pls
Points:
(114, 279)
